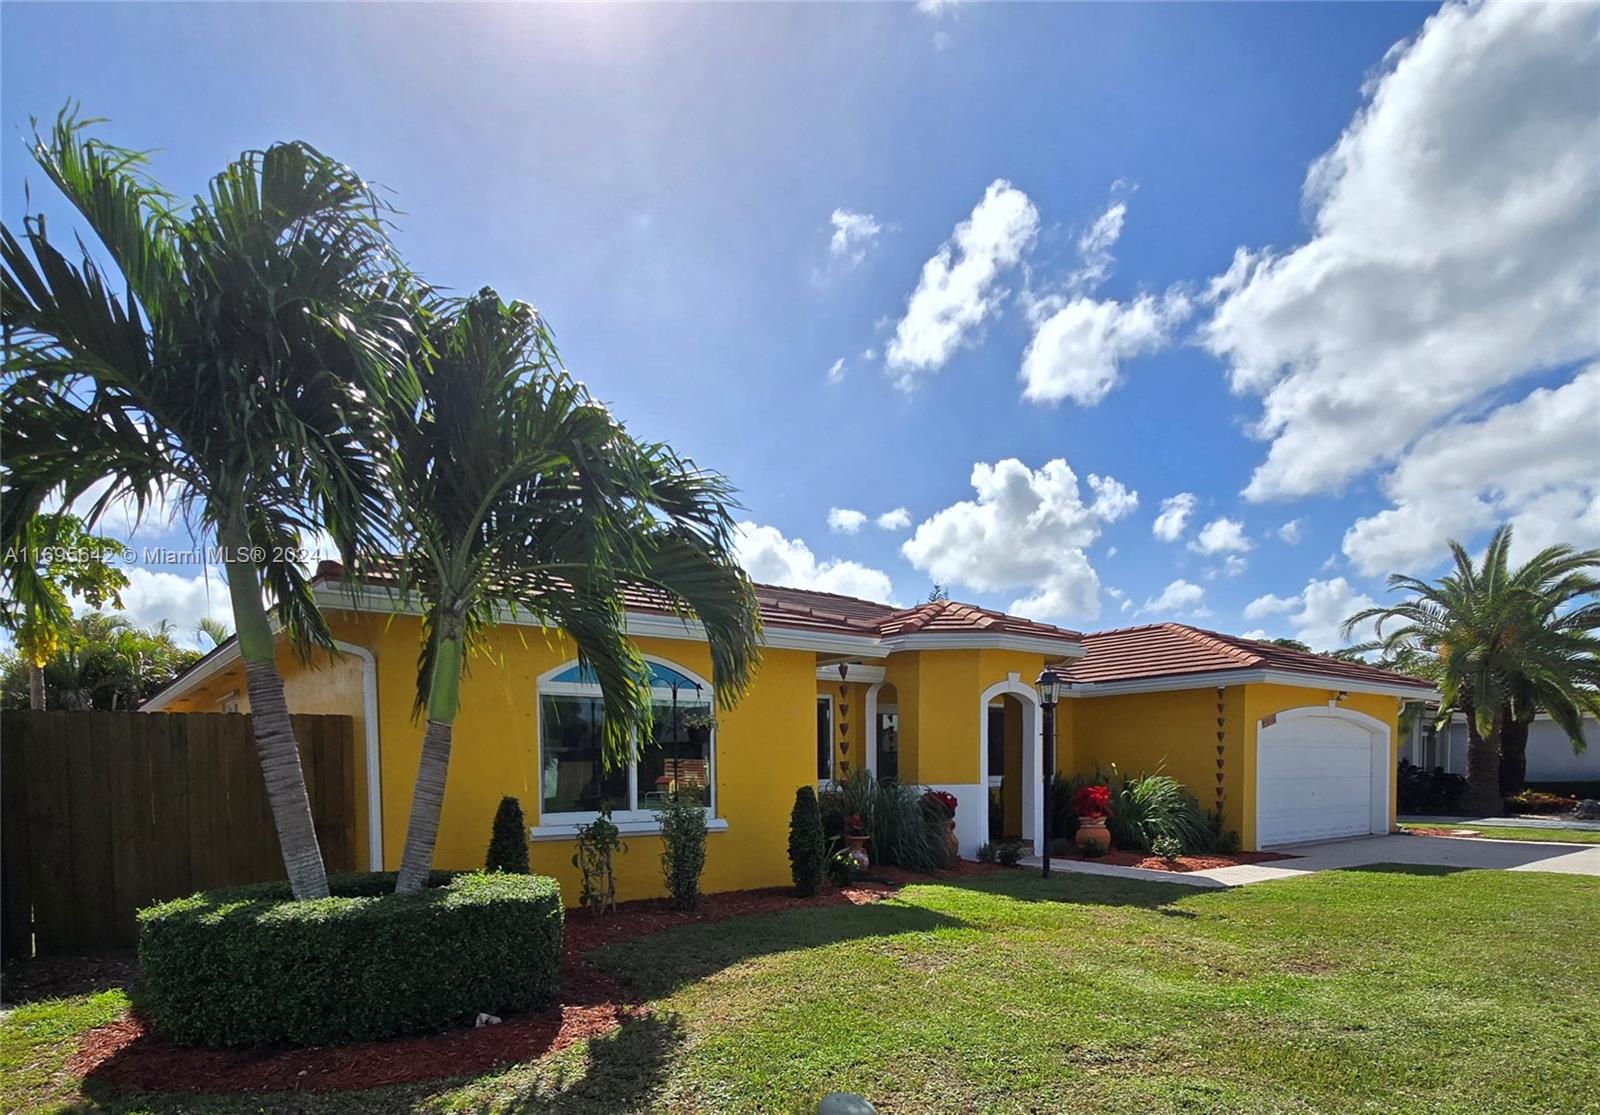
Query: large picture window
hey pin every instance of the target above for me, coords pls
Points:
(677, 755)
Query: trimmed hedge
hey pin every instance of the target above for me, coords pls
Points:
(247, 966)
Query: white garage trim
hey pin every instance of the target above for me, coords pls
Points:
(1378, 768)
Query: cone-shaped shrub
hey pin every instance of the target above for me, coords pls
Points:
(807, 852)
(508, 843)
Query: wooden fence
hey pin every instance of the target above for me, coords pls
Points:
(102, 813)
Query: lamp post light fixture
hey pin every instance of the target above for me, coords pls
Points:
(1048, 686)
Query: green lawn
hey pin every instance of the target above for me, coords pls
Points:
(1412, 989)
(1549, 836)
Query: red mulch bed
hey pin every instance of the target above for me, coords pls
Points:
(126, 1057)
(1183, 863)
(1458, 830)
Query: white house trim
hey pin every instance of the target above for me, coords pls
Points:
(998, 640)
(1214, 678)
(1032, 765)
(857, 673)
(870, 737)
(1382, 756)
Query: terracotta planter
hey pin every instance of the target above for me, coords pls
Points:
(858, 849)
(1094, 829)
(950, 839)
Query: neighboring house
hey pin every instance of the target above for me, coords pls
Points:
(1293, 746)
(1550, 754)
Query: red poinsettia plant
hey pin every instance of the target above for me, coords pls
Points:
(1092, 801)
(942, 800)
(853, 825)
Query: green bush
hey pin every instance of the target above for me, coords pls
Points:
(508, 840)
(807, 851)
(1169, 848)
(248, 966)
(1093, 848)
(1152, 806)
(905, 832)
(986, 852)
(1008, 853)
(1063, 820)
(683, 847)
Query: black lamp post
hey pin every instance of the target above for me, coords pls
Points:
(1049, 689)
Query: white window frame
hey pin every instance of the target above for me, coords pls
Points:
(564, 825)
(833, 741)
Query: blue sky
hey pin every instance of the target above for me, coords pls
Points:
(1019, 227)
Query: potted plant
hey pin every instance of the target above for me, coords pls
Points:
(1091, 804)
(855, 835)
(942, 804)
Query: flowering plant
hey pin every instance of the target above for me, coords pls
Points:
(1092, 801)
(853, 825)
(942, 800)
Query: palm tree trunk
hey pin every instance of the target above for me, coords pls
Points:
(1513, 756)
(269, 719)
(35, 686)
(1482, 798)
(427, 798)
(427, 801)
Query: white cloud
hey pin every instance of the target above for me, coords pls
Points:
(120, 518)
(1028, 530)
(1179, 596)
(1233, 565)
(958, 289)
(1452, 248)
(1079, 345)
(1258, 633)
(845, 520)
(898, 519)
(1094, 246)
(1534, 463)
(1270, 605)
(936, 8)
(154, 595)
(836, 371)
(1290, 532)
(1324, 606)
(771, 558)
(854, 234)
(1318, 612)
(1221, 536)
(1174, 518)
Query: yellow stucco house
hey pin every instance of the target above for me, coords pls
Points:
(1291, 746)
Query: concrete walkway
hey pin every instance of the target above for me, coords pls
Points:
(1505, 822)
(1462, 853)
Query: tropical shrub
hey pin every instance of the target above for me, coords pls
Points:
(1009, 852)
(1169, 848)
(249, 966)
(807, 847)
(1093, 848)
(683, 847)
(1222, 839)
(903, 831)
(1154, 805)
(1428, 791)
(508, 840)
(1063, 821)
(598, 842)
(987, 852)
(1536, 801)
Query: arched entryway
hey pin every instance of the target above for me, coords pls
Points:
(1010, 764)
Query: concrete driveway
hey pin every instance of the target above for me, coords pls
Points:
(1444, 851)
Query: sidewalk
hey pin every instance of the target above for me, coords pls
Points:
(1504, 822)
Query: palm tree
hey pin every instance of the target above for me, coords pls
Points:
(212, 630)
(241, 370)
(516, 490)
(1507, 643)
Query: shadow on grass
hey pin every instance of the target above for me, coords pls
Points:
(663, 962)
(1027, 885)
(1408, 868)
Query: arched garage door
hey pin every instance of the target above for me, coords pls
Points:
(1321, 773)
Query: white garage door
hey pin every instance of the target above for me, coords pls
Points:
(1317, 778)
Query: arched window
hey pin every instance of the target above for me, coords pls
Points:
(679, 755)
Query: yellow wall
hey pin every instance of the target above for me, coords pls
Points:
(765, 750)
(1176, 733)
(1264, 700)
